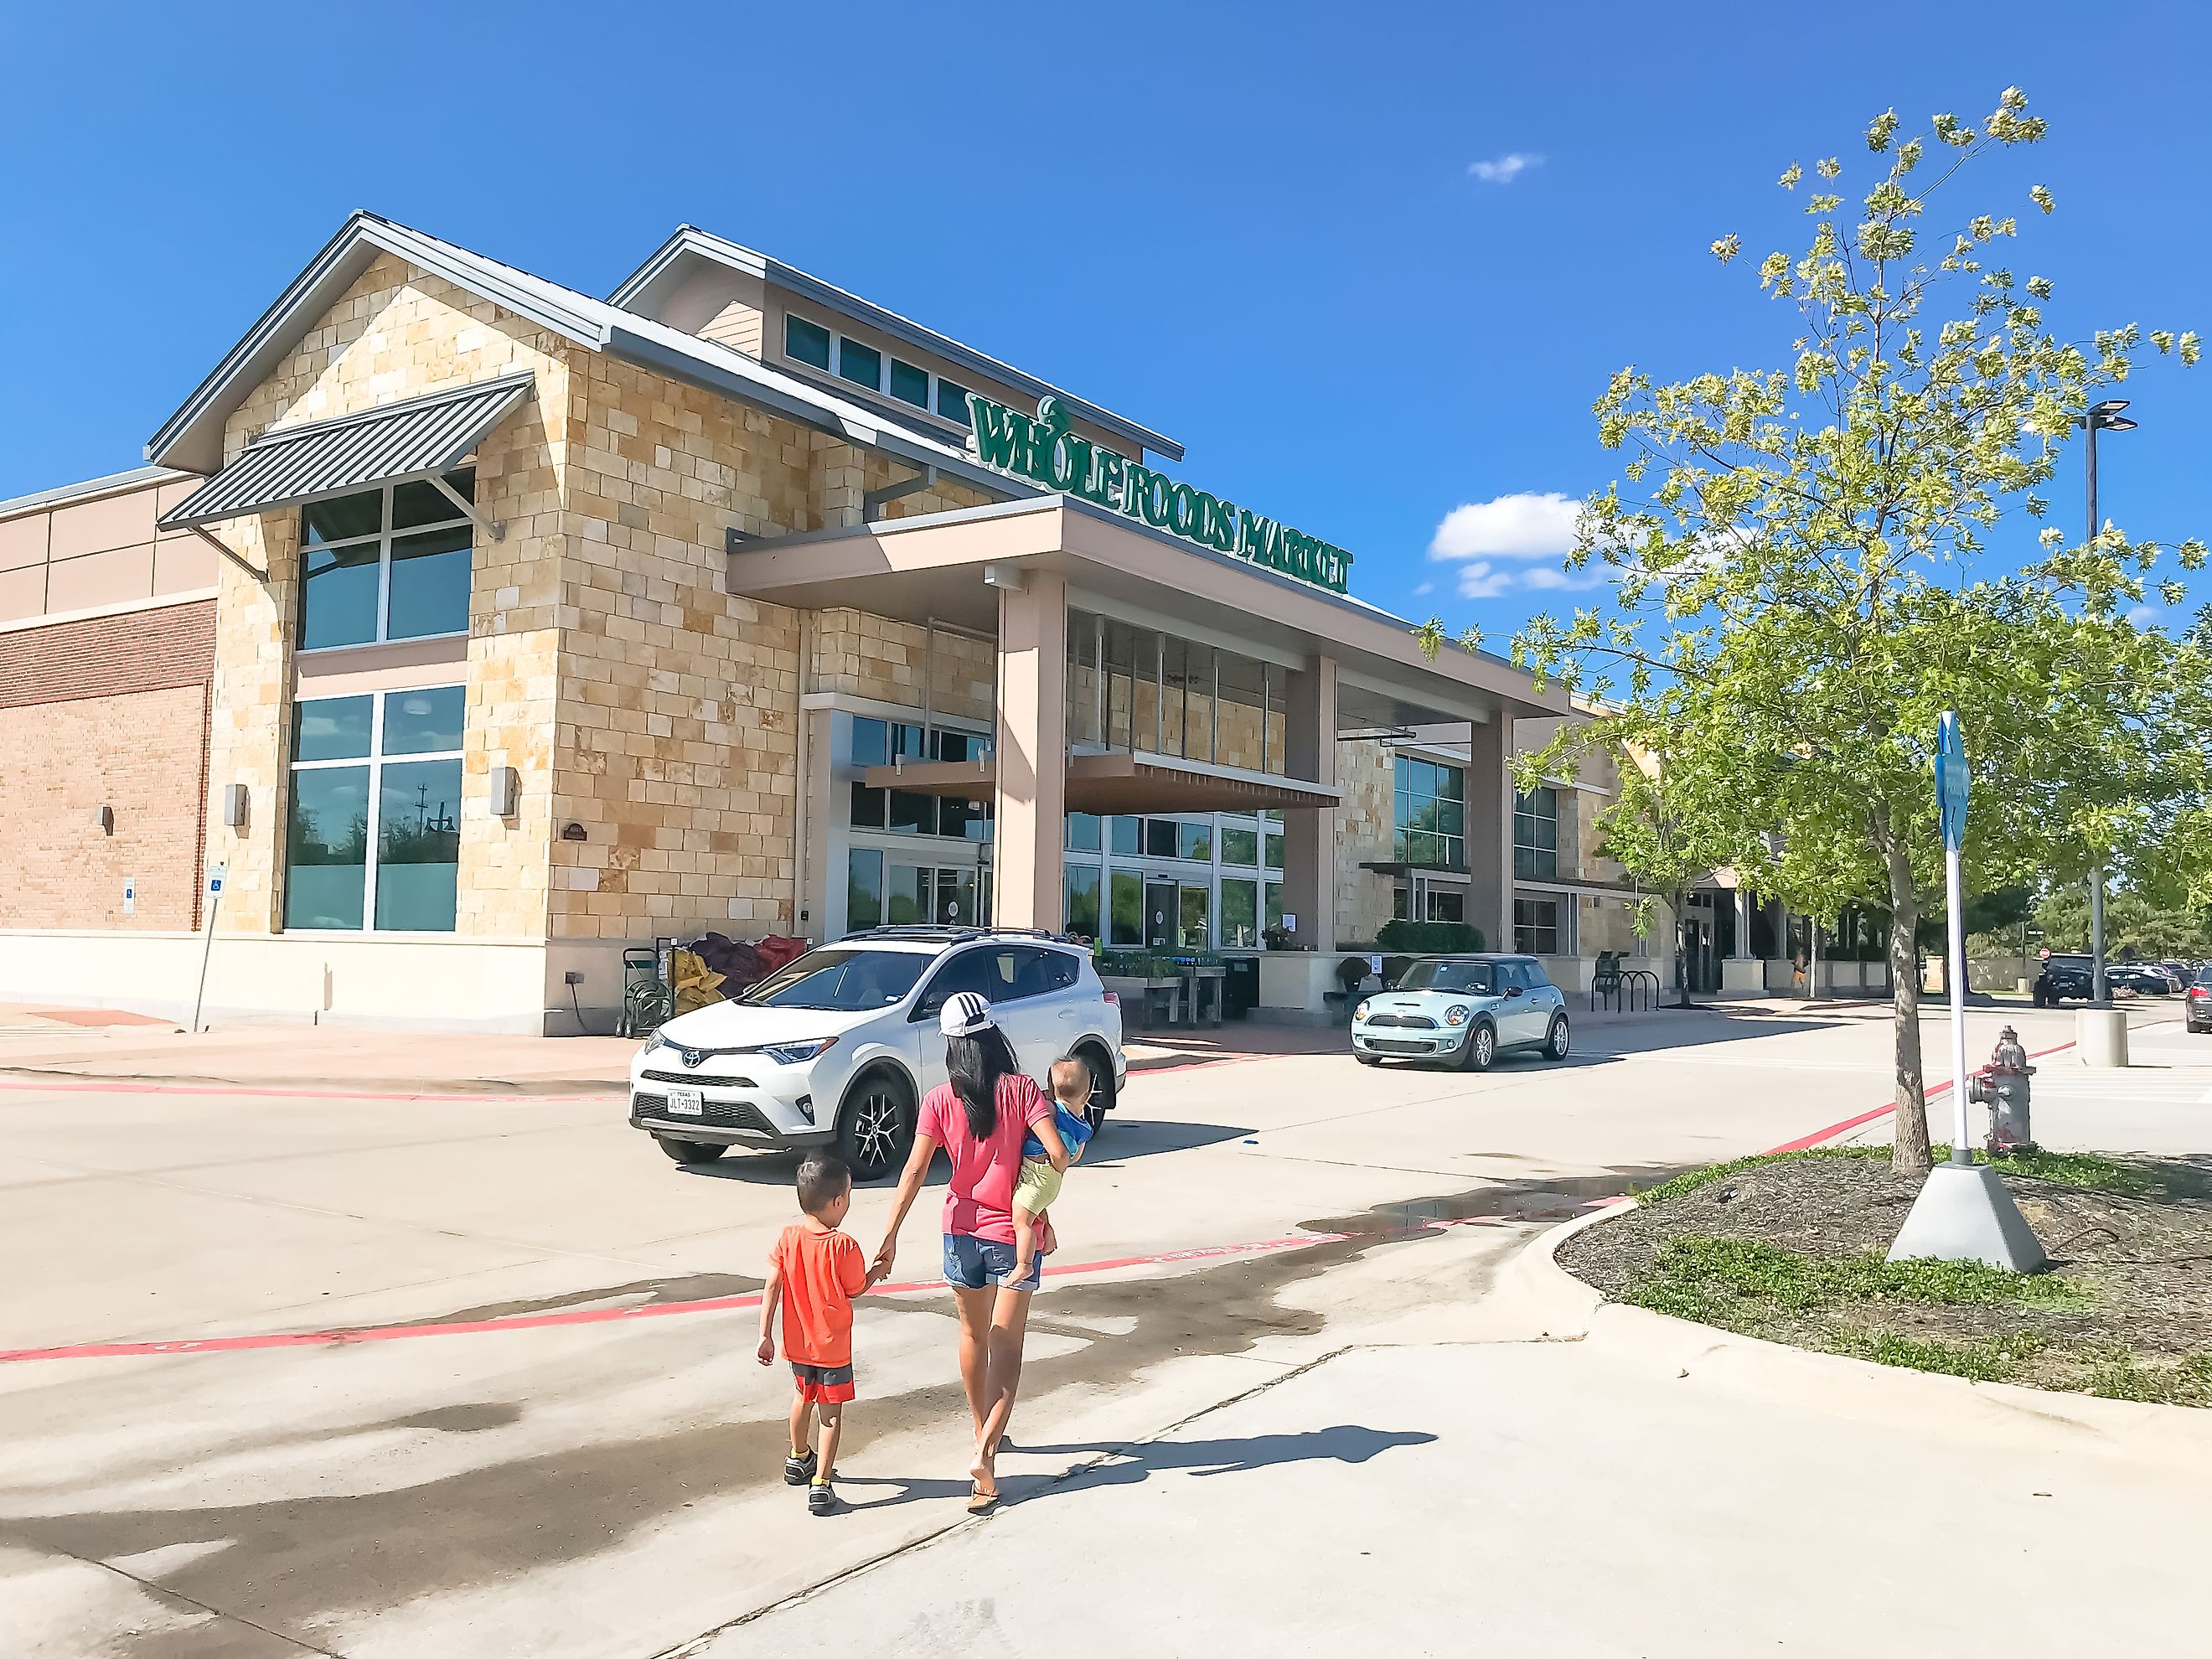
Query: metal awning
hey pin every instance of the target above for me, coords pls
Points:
(1118, 782)
(419, 438)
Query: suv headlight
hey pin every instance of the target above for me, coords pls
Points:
(1456, 1014)
(1360, 1012)
(653, 1042)
(796, 1053)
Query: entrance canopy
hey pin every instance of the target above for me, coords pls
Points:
(421, 438)
(948, 566)
(1120, 781)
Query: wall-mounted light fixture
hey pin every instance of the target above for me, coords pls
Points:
(104, 820)
(573, 831)
(506, 792)
(234, 800)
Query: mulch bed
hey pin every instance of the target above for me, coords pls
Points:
(2140, 1259)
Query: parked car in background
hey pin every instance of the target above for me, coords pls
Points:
(2145, 979)
(2064, 978)
(2185, 973)
(1466, 1010)
(839, 1047)
(2197, 1015)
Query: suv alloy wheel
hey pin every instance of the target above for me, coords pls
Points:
(875, 1130)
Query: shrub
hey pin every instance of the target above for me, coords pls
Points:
(1423, 938)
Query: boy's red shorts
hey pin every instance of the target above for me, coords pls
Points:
(823, 1385)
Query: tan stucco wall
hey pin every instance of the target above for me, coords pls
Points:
(99, 552)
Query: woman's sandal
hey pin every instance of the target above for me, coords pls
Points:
(981, 1502)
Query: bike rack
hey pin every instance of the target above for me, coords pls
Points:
(1633, 990)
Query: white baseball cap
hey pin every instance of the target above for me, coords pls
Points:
(964, 1014)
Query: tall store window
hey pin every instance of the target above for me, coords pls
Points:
(863, 365)
(1536, 927)
(907, 812)
(373, 837)
(1536, 834)
(1429, 811)
(390, 563)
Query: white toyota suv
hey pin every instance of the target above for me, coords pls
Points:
(838, 1047)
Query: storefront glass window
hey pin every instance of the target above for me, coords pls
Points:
(903, 904)
(952, 402)
(1193, 933)
(1082, 909)
(1129, 836)
(1240, 912)
(1536, 834)
(1083, 832)
(1194, 840)
(804, 342)
(1240, 847)
(1536, 927)
(361, 583)
(1429, 811)
(1160, 838)
(864, 889)
(1128, 908)
(392, 759)
(1274, 904)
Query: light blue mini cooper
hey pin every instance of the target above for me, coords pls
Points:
(1464, 1009)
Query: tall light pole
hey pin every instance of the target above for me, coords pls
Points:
(2101, 417)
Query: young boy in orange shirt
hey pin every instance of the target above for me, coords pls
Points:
(814, 1272)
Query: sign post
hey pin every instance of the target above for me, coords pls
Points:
(215, 880)
(1951, 788)
(1964, 1213)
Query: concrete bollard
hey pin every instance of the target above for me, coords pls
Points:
(2100, 1036)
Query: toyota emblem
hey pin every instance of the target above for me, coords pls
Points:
(694, 1058)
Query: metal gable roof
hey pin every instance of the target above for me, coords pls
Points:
(192, 438)
(690, 242)
(419, 438)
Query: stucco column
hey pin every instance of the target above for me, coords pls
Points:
(1028, 830)
(1490, 828)
(1742, 952)
(1310, 832)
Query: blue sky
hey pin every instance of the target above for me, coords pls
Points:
(1265, 230)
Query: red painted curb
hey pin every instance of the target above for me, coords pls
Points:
(81, 1086)
(344, 1337)
(1803, 1142)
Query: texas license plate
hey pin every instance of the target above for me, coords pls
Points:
(686, 1103)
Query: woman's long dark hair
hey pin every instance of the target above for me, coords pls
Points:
(974, 1065)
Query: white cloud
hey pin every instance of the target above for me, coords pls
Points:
(1424, 590)
(2143, 616)
(1523, 525)
(1504, 170)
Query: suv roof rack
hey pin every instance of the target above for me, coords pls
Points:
(957, 935)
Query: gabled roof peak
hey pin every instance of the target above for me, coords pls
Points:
(644, 288)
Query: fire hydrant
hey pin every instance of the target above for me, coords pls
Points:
(2003, 1087)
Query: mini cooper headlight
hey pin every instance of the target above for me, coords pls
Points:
(1456, 1014)
(1360, 1012)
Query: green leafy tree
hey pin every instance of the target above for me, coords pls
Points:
(1802, 578)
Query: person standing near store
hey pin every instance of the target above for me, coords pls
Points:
(980, 1117)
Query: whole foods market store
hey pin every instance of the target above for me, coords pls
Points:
(1154, 756)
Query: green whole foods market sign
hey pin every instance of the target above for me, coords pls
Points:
(1044, 450)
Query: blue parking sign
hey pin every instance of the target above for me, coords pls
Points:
(1950, 781)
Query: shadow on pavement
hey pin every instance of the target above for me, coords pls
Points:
(1127, 1465)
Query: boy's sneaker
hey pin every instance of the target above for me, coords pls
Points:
(820, 1499)
(798, 1471)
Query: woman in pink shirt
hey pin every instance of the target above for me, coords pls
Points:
(980, 1118)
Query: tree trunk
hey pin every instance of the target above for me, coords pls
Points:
(1909, 1152)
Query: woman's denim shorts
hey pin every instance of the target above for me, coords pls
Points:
(971, 1263)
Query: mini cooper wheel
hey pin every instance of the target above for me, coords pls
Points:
(1481, 1048)
(1555, 1040)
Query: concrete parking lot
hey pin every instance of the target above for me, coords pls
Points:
(541, 1429)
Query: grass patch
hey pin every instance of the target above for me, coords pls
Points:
(1690, 1180)
(1709, 1273)
(2084, 1169)
(1990, 1360)
(2114, 1371)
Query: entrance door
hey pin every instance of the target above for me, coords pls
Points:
(1162, 912)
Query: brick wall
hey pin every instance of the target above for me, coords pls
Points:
(139, 753)
(108, 656)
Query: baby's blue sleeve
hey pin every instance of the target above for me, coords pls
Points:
(1074, 1132)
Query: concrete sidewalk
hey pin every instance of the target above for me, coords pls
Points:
(1528, 1477)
